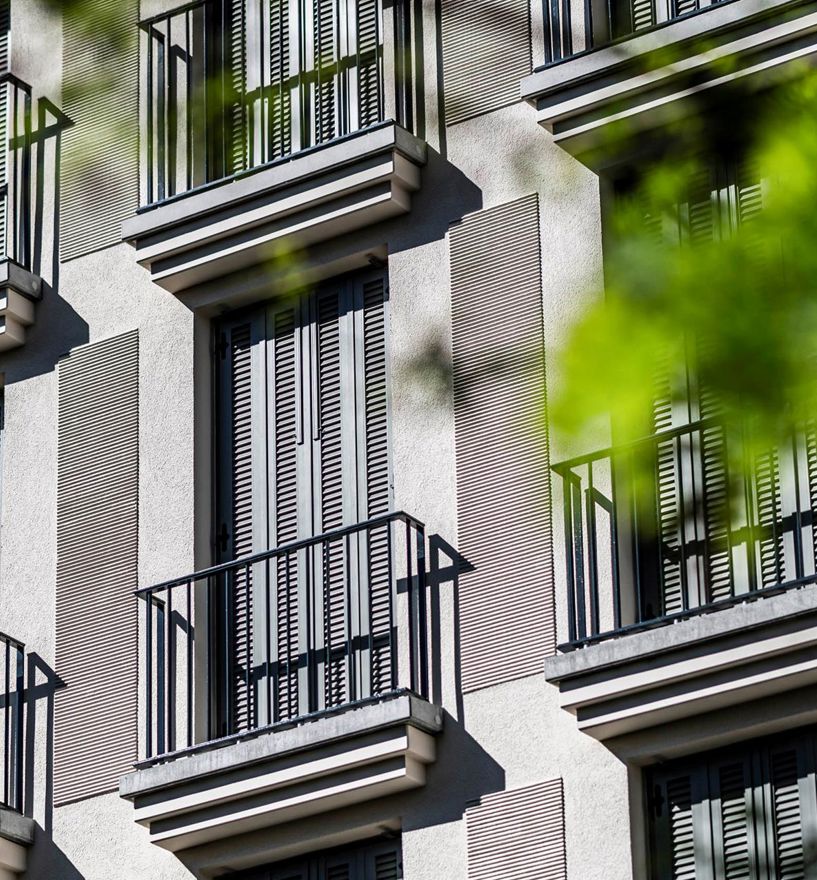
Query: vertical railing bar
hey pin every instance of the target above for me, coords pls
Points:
(150, 123)
(578, 545)
(411, 621)
(685, 595)
(636, 542)
(170, 662)
(350, 649)
(799, 562)
(149, 675)
(188, 95)
(267, 664)
(18, 734)
(327, 627)
(161, 672)
(614, 547)
(592, 553)
(422, 610)
(393, 646)
(7, 724)
(567, 500)
(248, 649)
(228, 662)
(190, 637)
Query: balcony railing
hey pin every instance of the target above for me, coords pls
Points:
(15, 170)
(606, 21)
(682, 522)
(226, 91)
(12, 700)
(297, 631)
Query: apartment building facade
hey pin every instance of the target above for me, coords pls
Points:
(296, 583)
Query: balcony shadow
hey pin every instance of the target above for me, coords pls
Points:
(57, 327)
(43, 684)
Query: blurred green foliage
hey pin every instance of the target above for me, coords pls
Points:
(694, 263)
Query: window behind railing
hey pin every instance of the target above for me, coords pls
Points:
(230, 85)
(572, 27)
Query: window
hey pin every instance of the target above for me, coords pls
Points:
(374, 861)
(303, 450)
(746, 812)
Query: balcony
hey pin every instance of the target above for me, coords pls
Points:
(615, 71)
(258, 143)
(694, 593)
(286, 685)
(20, 289)
(16, 830)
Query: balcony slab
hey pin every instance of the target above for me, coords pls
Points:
(249, 220)
(19, 291)
(596, 104)
(16, 835)
(353, 756)
(761, 649)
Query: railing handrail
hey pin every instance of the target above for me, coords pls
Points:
(301, 544)
(10, 640)
(569, 464)
(9, 77)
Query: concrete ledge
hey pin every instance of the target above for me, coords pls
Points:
(308, 198)
(19, 290)
(759, 650)
(595, 102)
(16, 835)
(359, 755)
(751, 615)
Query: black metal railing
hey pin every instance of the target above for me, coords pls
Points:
(305, 628)
(606, 21)
(15, 170)
(225, 91)
(12, 702)
(684, 521)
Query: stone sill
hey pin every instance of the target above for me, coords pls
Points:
(323, 765)
(631, 86)
(245, 221)
(16, 835)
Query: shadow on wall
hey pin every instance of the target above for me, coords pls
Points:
(57, 327)
(45, 859)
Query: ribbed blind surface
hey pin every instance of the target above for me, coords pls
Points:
(97, 540)
(518, 835)
(486, 51)
(5, 34)
(506, 601)
(100, 97)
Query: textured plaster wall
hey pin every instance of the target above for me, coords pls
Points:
(503, 737)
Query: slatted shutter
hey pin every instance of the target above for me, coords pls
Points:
(380, 860)
(369, 79)
(746, 813)
(384, 862)
(100, 97)
(506, 601)
(97, 544)
(486, 51)
(518, 834)
(326, 37)
(5, 35)
(280, 121)
(642, 13)
(307, 454)
(237, 100)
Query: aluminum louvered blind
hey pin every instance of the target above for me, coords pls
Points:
(97, 543)
(518, 834)
(503, 485)
(5, 34)
(100, 97)
(486, 52)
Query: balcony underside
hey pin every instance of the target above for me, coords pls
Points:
(645, 684)
(598, 103)
(357, 755)
(278, 210)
